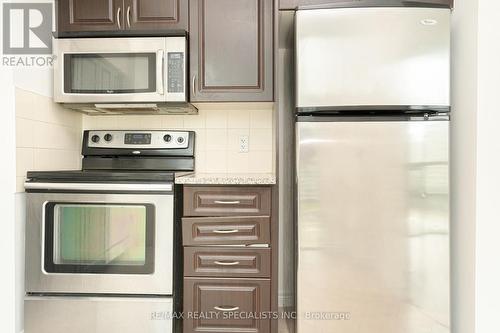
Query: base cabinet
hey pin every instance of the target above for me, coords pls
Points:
(226, 305)
(229, 275)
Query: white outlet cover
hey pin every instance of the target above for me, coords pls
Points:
(244, 144)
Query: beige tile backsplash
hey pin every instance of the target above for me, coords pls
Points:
(47, 136)
(218, 128)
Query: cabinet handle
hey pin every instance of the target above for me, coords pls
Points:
(227, 263)
(194, 85)
(225, 202)
(233, 231)
(128, 16)
(118, 12)
(226, 308)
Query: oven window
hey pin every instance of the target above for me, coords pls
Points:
(109, 73)
(99, 238)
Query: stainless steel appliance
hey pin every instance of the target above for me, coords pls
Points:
(122, 74)
(372, 140)
(101, 254)
(373, 58)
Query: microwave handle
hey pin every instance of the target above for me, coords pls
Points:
(159, 71)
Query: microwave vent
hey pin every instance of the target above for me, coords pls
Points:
(134, 109)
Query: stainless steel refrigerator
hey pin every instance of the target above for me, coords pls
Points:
(372, 140)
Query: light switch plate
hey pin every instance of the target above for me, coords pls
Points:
(244, 144)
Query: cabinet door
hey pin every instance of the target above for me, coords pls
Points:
(156, 14)
(231, 50)
(89, 15)
(231, 305)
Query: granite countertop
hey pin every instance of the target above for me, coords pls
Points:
(227, 179)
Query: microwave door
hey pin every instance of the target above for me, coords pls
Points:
(117, 70)
(111, 73)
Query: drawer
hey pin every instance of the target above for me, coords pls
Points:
(227, 200)
(225, 230)
(226, 302)
(227, 262)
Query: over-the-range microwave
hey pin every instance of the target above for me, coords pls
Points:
(122, 74)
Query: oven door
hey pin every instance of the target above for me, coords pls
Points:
(93, 243)
(120, 70)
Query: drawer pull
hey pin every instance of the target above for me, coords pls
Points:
(232, 231)
(227, 263)
(225, 202)
(226, 309)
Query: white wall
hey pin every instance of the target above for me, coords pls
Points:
(463, 163)
(8, 247)
(48, 137)
(476, 166)
(488, 169)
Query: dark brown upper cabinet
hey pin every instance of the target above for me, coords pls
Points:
(89, 15)
(113, 15)
(231, 50)
(156, 14)
(292, 4)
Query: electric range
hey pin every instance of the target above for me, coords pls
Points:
(104, 239)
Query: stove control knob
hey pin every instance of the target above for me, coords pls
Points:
(167, 138)
(108, 137)
(95, 138)
(180, 140)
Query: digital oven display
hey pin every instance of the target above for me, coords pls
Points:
(137, 139)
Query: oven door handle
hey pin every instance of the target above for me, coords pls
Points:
(110, 187)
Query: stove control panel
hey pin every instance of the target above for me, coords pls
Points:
(139, 139)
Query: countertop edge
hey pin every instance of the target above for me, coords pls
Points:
(229, 179)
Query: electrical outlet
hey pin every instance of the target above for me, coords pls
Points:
(244, 144)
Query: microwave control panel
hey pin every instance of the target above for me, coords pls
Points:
(138, 139)
(175, 72)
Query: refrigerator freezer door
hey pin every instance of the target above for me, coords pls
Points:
(373, 227)
(355, 58)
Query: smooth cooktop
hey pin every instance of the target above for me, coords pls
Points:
(100, 176)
